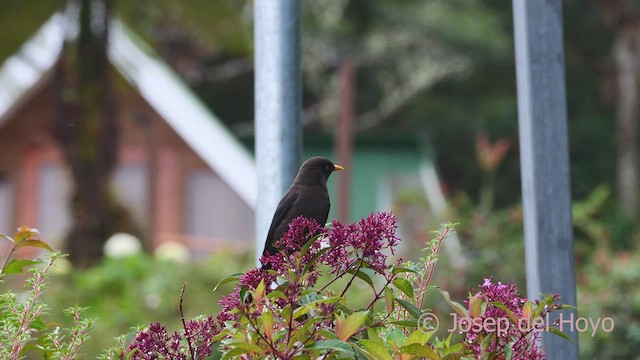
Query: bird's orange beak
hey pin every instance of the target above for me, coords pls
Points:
(338, 167)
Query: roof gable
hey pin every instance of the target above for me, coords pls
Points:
(153, 79)
(22, 71)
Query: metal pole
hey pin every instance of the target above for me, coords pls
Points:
(546, 189)
(277, 105)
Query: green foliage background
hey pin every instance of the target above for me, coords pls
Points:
(134, 291)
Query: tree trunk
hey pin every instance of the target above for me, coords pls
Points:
(626, 53)
(87, 130)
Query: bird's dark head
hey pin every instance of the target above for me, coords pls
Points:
(316, 171)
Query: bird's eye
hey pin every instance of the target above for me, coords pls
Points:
(329, 167)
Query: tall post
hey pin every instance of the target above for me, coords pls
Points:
(344, 136)
(546, 189)
(277, 105)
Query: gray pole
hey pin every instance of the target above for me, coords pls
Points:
(546, 189)
(277, 105)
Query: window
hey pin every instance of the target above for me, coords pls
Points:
(6, 206)
(130, 183)
(214, 211)
(53, 203)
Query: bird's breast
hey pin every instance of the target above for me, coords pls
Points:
(314, 204)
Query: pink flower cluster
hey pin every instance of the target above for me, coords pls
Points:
(364, 240)
(360, 244)
(301, 230)
(525, 343)
(156, 343)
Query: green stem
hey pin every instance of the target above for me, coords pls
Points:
(430, 266)
(5, 262)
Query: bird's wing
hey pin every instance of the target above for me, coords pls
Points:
(283, 209)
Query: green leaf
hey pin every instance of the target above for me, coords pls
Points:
(280, 334)
(34, 348)
(372, 334)
(220, 336)
(277, 294)
(16, 266)
(259, 293)
(421, 350)
(376, 349)
(419, 337)
(244, 293)
(548, 300)
(131, 353)
(302, 310)
(34, 243)
(314, 259)
(249, 347)
(7, 237)
(332, 344)
(454, 356)
(228, 279)
(566, 306)
(347, 327)
(388, 298)
(398, 270)
(285, 313)
(527, 310)
(364, 277)
(404, 286)
(475, 305)
(397, 337)
(327, 333)
(267, 324)
(307, 245)
(308, 296)
(447, 341)
(404, 323)
(486, 341)
(301, 357)
(456, 306)
(233, 353)
(560, 333)
(512, 317)
(411, 309)
(456, 349)
(508, 351)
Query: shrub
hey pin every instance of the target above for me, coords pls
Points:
(297, 306)
(609, 286)
(122, 293)
(22, 327)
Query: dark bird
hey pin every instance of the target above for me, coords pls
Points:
(307, 196)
